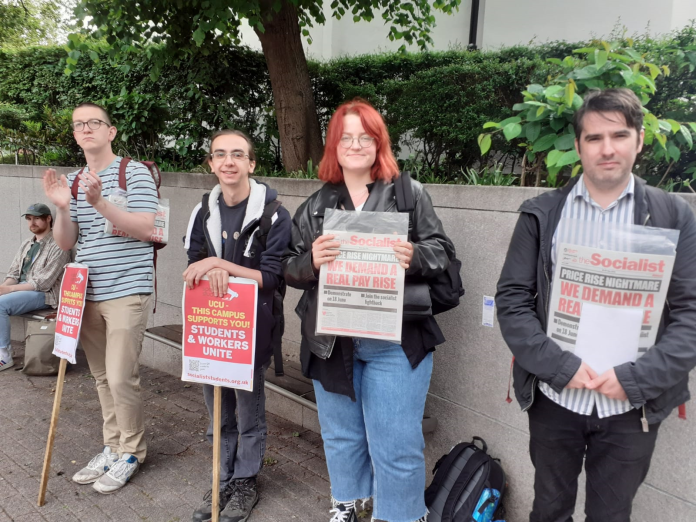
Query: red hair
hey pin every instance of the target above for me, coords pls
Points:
(385, 166)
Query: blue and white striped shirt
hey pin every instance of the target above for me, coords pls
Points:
(580, 206)
(118, 266)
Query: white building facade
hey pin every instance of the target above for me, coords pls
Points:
(502, 23)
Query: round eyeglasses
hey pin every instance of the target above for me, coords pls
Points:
(236, 155)
(365, 141)
(79, 126)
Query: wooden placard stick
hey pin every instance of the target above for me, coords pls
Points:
(217, 413)
(52, 432)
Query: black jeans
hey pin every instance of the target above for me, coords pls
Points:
(242, 436)
(617, 456)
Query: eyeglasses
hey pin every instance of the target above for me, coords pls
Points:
(79, 126)
(364, 141)
(236, 155)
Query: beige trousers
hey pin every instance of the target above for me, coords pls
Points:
(112, 338)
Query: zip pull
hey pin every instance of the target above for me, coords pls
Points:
(509, 399)
(644, 421)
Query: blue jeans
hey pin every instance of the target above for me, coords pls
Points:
(374, 446)
(17, 303)
(242, 436)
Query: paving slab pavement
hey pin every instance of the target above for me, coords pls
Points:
(293, 485)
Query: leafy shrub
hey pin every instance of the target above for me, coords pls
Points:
(435, 103)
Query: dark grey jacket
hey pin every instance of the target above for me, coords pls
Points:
(659, 379)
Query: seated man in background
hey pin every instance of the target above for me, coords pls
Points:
(33, 278)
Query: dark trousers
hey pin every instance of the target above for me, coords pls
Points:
(242, 432)
(617, 456)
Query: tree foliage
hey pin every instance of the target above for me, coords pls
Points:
(190, 29)
(543, 125)
(29, 22)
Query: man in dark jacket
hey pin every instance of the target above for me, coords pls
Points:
(227, 237)
(609, 420)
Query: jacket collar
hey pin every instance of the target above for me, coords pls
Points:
(381, 198)
(548, 208)
(254, 211)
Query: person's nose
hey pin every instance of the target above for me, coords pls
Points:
(608, 148)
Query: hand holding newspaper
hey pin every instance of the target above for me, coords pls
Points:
(361, 292)
(609, 292)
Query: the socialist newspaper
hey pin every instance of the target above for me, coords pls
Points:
(361, 293)
(612, 278)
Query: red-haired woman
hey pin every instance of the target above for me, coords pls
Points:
(370, 393)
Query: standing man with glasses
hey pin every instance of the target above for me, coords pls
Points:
(119, 291)
(240, 230)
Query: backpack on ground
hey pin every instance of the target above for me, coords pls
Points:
(157, 242)
(265, 224)
(467, 487)
(38, 349)
(446, 288)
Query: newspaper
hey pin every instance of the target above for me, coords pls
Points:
(618, 266)
(160, 233)
(361, 293)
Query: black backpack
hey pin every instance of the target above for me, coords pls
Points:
(265, 224)
(446, 288)
(467, 487)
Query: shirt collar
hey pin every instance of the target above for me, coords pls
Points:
(45, 238)
(580, 191)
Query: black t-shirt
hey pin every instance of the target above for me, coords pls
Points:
(231, 219)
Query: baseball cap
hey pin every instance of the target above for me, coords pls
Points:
(37, 209)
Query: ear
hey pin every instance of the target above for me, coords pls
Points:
(112, 133)
(252, 166)
(641, 139)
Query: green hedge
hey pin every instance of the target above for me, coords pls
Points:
(434, 103)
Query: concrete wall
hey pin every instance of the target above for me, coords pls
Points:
(501, 23)
(469, 383)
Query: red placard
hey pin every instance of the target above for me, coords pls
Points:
(219, 334)
(70, 311)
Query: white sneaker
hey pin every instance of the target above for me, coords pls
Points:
(120, 473)
(96, 467)
(6, 361)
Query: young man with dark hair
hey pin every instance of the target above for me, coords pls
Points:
(119, 291)
(33, 280)
(240, 230)
(575, 415)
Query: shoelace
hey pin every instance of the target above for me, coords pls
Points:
(239, 491)
(97, 462)
(120, 468)
(342, 515)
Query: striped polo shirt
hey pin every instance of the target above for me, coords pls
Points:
(580, 206)
(118, 266)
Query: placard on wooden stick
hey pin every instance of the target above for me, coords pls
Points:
(68, 323)
(219, 348)
(217, 413)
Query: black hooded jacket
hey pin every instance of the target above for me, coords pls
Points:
(659, 379)
(204, 239)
